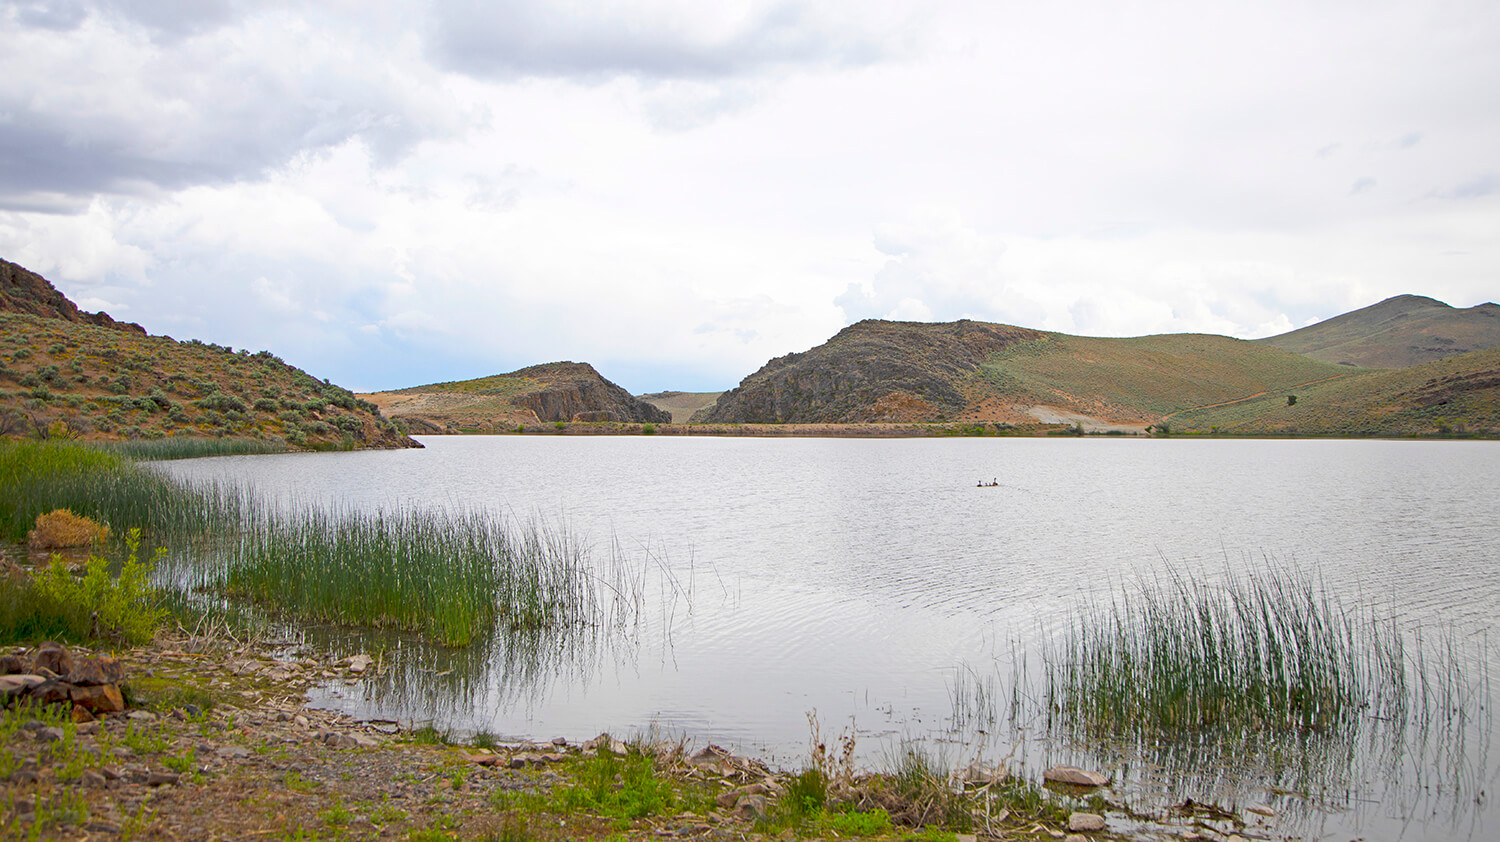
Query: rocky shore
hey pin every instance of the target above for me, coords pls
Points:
(213, 740)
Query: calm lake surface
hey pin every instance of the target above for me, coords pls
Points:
(872, 582)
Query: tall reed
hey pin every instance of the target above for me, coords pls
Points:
(1270, 650)
(191, 447)
(39, 476)
(444, 574)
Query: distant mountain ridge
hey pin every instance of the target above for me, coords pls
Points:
(967, 371)
(1397, 332)
(546, 393)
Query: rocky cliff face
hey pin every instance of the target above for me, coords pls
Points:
(869, 372)
(548, 393)
(24, 291)
(572, 391)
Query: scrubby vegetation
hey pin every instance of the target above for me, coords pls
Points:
(446, 575)
(66, 380)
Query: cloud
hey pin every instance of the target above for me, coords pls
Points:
(662, 39)
(99, 106)
(1362, 185)
(1477, 187)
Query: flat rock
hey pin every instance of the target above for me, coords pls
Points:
(1085, 822)
(162, 779)
(1075, 776)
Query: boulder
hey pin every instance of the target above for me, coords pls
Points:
(53, 656)
(1075, 776)
(98, 698)
(13, 665)
(95, 671)
(1085, 822)
(751, 807)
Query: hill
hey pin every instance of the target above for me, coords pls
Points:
(872, 371)
(682, 405)
(67, 373)
(879, 371)
(1452, 396)
(1397, 332)
(547, 393)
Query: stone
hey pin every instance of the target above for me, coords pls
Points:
(1261, 810)
(100, 698)
(51, 692)
(982, 773)
(13, 665)
(485, 759)
(560, 742)
(12, 685)
(1075, 837)
(93, 778)
(359, 663)
(81, 714)
(1085, 822)
(141, 716)
(162, 779)
(232, 752)
(97, 670)
(50, 735)
(751, 807)
(1075, 776)
(53, 656)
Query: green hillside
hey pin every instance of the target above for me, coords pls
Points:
(1397, 332)
(76, 380)
(1454, 396)
(1143, 378)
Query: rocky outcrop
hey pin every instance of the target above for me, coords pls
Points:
(568, 390)
(540, 394)
(24, 291)
(53, 676)
(871, 371)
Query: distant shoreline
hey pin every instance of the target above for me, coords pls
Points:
(888, 430)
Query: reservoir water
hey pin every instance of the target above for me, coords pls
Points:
(876, 584)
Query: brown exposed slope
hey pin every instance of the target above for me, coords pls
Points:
(1401, 331)
(682, 405)
(24, 291)
(551, 392)
(872, 371)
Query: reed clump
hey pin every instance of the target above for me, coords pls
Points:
(443, 574)
(447, 575)
(192, 447)
(1266, 651)
(37, 477)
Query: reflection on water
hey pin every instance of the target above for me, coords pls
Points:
(852, 577)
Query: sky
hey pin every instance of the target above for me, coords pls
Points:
(395, 193)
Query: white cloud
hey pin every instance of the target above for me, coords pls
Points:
(402, 192)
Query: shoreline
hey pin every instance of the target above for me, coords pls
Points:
(219, 741)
